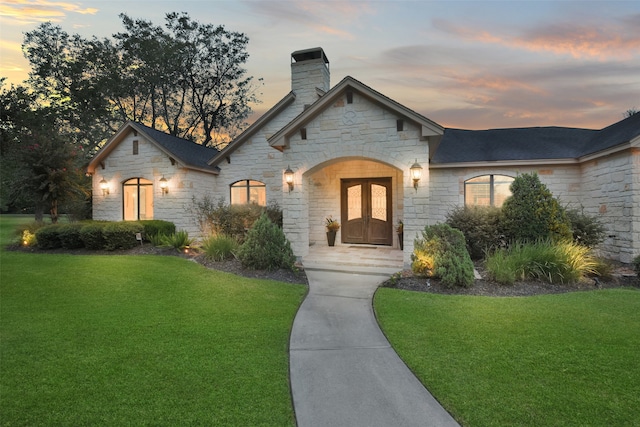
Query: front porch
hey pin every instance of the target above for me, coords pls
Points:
(360, 259)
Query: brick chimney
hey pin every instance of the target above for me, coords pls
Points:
(309, 70)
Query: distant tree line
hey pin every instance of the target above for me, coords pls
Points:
(185, 78)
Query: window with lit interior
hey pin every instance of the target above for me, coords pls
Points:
(138, 199)
(248, 191)
(487, 190)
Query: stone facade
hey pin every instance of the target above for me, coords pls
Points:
(325, 135)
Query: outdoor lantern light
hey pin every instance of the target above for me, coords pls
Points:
(164, 185)
(104, 185)
(416, 174)
(288, 177)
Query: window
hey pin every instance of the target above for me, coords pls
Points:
(303, 133)
(399, 125)
(249, 191)
(487, 190)
(138, 199)
(349, 97)
(135, 147)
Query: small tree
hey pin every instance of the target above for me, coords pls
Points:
(266, 247)
(532, 213)
(442, 253)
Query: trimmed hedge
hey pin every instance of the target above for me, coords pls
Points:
(480, 226)
(121, 235)
(69, 235)
(91, 235)
(154, 227)
(48, 237)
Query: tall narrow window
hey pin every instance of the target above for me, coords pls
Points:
(487, 190)
(303, 133)
(349, 97)
(399, 125)
(135, 147)
(249, 192)
(138, 199)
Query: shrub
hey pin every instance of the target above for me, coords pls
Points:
(121, 235)
(48, 237)
(216, 217)
(480, 226)
(219, 247)
(91, 235)
(442, 253)
(179, 240)
(636, 265)
(552, 262)
(266, 247)
(69, 235)
(157, 226)
(27, 233)
(532, 213)
(587, 230)
(156, 239)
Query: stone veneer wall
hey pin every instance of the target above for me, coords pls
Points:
(358, 131)
(152, 164)
(611, 187)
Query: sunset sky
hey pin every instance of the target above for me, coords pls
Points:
(463, 64)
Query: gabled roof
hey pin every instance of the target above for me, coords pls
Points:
(616, 134)
(188, 153)
(493, 145)
(251, 130)
(280, 140)
(556, 144)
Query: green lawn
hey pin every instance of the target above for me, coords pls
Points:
(553, 360)
(140, 340)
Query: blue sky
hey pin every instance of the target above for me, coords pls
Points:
(463, 64)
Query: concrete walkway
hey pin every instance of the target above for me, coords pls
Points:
(343, 370)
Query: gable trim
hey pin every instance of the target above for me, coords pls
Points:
(225, 153)
(280, 139)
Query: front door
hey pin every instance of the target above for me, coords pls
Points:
(366, 211)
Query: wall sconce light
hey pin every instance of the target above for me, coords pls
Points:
(288, 177)
(164, 185)
(416, 174)
(104, 186)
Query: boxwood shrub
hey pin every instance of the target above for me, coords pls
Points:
(121, 235)
(154, 227)
(48, 237)
(91, 235)
(266, 247)
(69, 235)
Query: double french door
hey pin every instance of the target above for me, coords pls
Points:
(366, 211)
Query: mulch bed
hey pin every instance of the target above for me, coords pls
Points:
(622, 275)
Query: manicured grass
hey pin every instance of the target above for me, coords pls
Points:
(552, 360)
(140, 340)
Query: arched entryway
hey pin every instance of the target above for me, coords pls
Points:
(365, 195)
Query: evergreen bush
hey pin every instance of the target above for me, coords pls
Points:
(532, 213)
(157, 226)
(48, 237)
(442, 253)
(121, 235)
(69, 235)
(91, 235)
(587, 230)
(636, 265)
(266, 247)
(480, 226)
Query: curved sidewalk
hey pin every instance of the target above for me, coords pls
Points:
(343, 370)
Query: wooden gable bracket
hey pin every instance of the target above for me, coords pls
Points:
(228, 159)
(173, 161)
(102, 165)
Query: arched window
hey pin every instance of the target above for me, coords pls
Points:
(487, 190)
(248, 191)
(138, 199)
